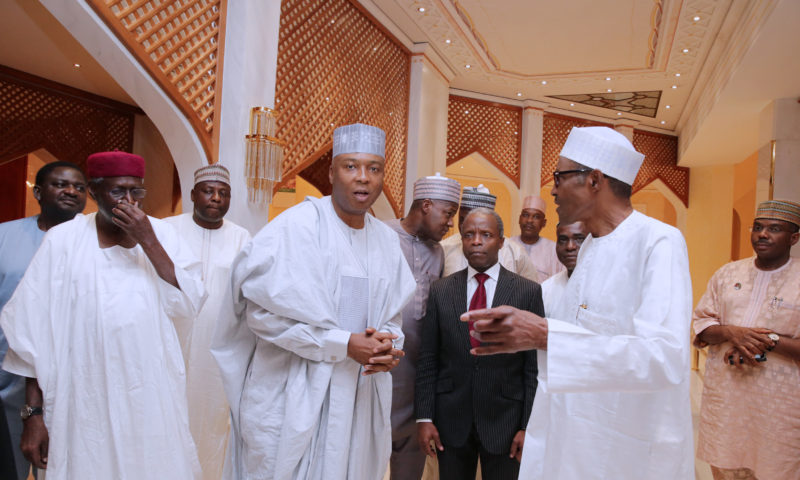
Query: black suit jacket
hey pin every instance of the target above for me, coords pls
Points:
(456, 389)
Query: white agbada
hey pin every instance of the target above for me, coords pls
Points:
(553, 289)
(209, 417)
(95, 327)
(613, 394)
(301, 408)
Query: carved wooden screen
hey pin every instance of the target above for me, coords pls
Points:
(660, 162)
(336, 67)
(493, 130)
(69, 123)
(177, 43)
(555, 130)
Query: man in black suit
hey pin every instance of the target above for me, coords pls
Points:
(474, 407)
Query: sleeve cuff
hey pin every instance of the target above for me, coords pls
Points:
(702, 323)
(336, 345)
(424, 420)
(16, 365)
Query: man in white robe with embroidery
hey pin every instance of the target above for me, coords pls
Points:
(569, 238)
(308, 340)
(613, 395)
(215, 241)
(93, 327)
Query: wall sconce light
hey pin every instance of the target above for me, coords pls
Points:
(264, 155)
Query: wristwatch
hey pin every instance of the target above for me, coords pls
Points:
(28, 411)
(775, 338)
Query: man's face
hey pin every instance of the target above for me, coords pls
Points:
(438, 218)
(211, 201)
(569, 239)
(772, 239)
(572, 194)
(531, 222)
(357, 180)
(481, 241)
(114, 190)
(63, 192)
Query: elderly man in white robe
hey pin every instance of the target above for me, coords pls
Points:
(214, 240)
(613, 394)
(93, 327)
(307, 344)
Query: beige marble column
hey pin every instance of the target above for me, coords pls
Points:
(531, 161)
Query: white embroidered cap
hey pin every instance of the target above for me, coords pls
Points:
(604, 149)
(359, 138)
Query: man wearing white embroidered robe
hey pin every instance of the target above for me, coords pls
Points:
(93, 324)
(307, 341)
(569, 238)
(215, 241)
(613, 396)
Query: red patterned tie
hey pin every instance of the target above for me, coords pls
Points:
(478, 302)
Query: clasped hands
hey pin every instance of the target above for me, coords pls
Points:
(745, 342)
(374, 350)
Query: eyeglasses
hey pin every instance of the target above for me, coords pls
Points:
(118, 193)
(558, 174)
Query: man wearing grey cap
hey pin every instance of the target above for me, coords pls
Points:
(306, 342)
(613, 354)
(429, 219)
(215, 241)
(512, 256)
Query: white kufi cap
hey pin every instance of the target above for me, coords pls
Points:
(359, 138)
(604, 149)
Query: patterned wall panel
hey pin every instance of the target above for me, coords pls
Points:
(493, 130)
(317, 173)
(336, 67)
(555, 131)
(660, 162)
(69, 123)
(176, 41)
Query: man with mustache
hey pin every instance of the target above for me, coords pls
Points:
(92, 326)
(214, 240)
(429, 219)
(313, 328)
(569, 239)
(749, 423)
(472, 408)
(613, 394)
(60, 189)
(542, 251)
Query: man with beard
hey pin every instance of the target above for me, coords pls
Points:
(613, 395)
(215, 241)
(542, 251)
(307, 342)
(429, 219)
(569, 239)
(749, 425)
(92, 326)
(60, 189)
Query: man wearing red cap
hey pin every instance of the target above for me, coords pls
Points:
(93, 326)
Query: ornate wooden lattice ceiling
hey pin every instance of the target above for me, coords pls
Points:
(336, 67)
(493, 130)
(69, 123)
(176, 41)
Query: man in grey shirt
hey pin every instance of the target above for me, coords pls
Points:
(429, 219)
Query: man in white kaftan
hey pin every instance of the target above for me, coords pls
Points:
(613, 395)
(311, 287)
(215, 241)
(569, 238)
(92, 322)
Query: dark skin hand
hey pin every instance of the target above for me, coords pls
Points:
(507, 330)
(374, 351)
(516, 445)
(35, 439)
(135, 224)
(428, 438)
(745, 342)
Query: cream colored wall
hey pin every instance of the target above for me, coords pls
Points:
(655, 205)
(281, 201)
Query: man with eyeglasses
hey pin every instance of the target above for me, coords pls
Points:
(215, 240)
(750, 319)
(613, 354)
(93, 326)
(60, 189)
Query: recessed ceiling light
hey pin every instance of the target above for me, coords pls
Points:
(619, 113)
(571, 104)
(674, 86)
(508, 122)
(667, 106)
(515, 133)
(696, 18)
(333, 21)
(685, 50)
(544, 82)
(327, 99)
(468, 66)
(421, 9)
(609, 90)
(447, 41)
(331, 124)
(519, 94)
(76, 65)
(663, 122)
(677, 74)
(466, 112)
(608, 78)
